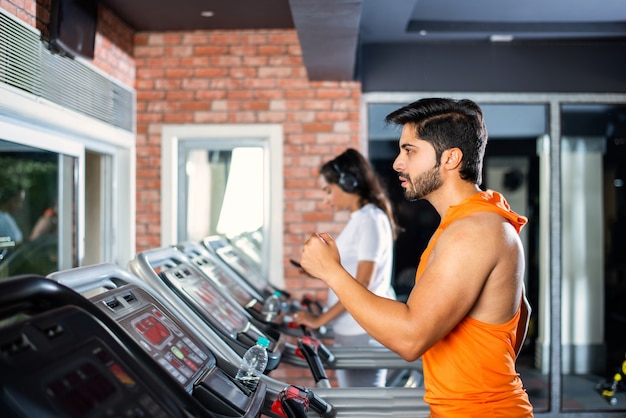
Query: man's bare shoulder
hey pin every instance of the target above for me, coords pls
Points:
(496, 262)
(486, 228)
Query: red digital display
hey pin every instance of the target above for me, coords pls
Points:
(153, 330)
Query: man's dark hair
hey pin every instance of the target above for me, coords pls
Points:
(448, 123)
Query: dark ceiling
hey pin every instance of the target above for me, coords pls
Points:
(168, 15)
(332, 31)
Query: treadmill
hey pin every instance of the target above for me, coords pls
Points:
(344, 402)
(401, 372)
(158, 330)
(229, 282)
(250, 243)
(248, 268)
(244, 266)
(247, 272)
(171, 274)
(245, 295)
(60, 356)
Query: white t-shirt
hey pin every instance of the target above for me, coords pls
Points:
(366, 237)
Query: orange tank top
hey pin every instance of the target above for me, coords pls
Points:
(471, 371)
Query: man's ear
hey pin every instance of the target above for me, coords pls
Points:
(452, 158)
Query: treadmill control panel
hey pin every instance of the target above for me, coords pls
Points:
(237, 262)
(242, 266)
(159, 335)
(223, 312)
(63, 363)
(221, 278)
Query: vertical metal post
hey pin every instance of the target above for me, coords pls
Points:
(555, 258)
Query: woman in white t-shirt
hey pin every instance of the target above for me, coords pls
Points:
(366, 248)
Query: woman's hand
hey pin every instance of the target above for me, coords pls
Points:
(307, 319)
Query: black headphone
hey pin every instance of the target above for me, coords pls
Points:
(348, 182)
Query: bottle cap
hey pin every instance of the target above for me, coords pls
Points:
(263, 342)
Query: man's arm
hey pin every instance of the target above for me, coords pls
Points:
(462, 260)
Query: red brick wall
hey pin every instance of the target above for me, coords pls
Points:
(114, 47)
(244, 77)
(25, 10)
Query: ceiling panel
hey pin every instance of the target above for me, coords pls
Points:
(331, 32)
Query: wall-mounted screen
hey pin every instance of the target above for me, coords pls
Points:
(73, 27)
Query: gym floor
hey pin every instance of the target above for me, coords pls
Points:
(580, 392)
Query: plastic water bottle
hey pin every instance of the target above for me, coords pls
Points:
(271, 306)
(253, 364)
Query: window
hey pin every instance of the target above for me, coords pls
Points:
(225, 180)
(65, 161)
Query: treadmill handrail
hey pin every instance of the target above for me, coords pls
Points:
(100, 275)
(357, 358)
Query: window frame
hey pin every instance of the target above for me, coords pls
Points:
(35, 122)
(268, 136)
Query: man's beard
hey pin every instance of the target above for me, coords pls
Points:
(424, 184)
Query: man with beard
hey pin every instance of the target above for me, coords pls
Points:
(467, 314)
